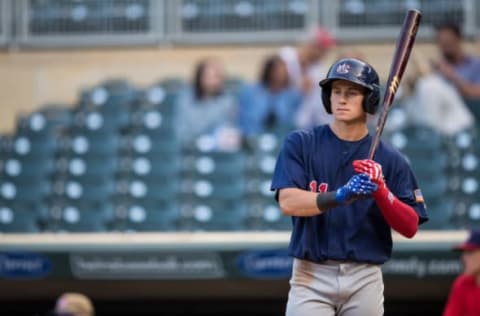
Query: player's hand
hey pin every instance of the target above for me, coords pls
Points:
(358, 185)
(371, 169)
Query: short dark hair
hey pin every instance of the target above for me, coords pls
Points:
(450, 26)
(268, 67)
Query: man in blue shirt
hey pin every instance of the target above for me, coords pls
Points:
(342, 205)
(271, 104)
(458, 67)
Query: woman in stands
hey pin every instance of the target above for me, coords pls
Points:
(205, 108)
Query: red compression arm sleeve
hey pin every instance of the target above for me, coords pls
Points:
(399, 216)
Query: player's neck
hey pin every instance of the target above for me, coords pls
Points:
(349, 131)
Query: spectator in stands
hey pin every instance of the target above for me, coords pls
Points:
(425, 91)
(270, 104)
(458, 67)
(305, 69)
(74, 304)
(206, 109)
(464, 299)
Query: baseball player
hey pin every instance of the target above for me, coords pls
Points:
(342, 205)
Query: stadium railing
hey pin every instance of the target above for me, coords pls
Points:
(147, 22)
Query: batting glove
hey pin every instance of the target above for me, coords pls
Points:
(358, 185)
(370, 168)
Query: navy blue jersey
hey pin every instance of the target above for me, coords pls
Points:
(317, 160)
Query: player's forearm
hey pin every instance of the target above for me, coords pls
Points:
(297, 202)
(400, 216)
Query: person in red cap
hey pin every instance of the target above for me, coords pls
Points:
(464, 299)
(305, 70)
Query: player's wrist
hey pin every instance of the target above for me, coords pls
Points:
(326, 201)
(381, 191)
(342, 195)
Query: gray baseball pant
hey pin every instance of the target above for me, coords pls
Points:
(335, 288)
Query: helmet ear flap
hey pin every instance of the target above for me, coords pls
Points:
(326, 90)
(371, 100)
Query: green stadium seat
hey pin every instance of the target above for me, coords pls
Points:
(84, 142)
(142, 143)
(264, 214)
(84, 165)
(24, 189)
(214, 164)
(21, 217)
(27, 166)
(158, 97)
(154, 165)
(211, 215)
(144, 215)
(147, 187)
(441, 213)
(90, 188)
(67, 215)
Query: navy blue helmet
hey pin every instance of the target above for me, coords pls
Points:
(355, 71)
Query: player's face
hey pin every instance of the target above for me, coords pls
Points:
(346, 99)
(471, 262)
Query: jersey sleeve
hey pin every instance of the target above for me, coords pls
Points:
(404, 186)
(290, 168)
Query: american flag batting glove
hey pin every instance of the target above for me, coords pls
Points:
(359, 184)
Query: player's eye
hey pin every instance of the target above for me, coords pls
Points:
(353, 93)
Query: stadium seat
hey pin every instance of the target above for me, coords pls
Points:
(266, 143)
(160, 97)
(26, 146)
(155, 165)
(44, 122)
(264, 214)
(81, 141)
(466, 212)
(441, 212)
(211, 215)
(21, 217)
(139, 142)
(35, 167)
(24, 189)
(70, 215)
(81, 165)
(213, 187)
(147, 187)
(144, 215)
(97, 120)
(214, 163)
(89, 188)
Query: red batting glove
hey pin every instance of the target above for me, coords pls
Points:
(370, 168)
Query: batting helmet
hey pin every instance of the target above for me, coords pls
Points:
(355, 71)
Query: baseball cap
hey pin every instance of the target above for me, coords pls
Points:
(322, 37)
(472, 243)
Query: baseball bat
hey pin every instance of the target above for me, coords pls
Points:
(402, 53)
